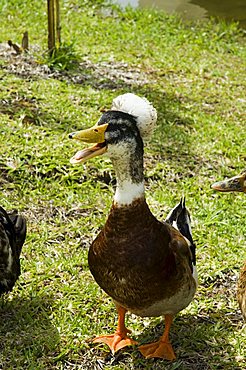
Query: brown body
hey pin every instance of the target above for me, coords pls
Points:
(143, 264)
(241, 291)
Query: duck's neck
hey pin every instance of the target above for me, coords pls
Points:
(129, 178)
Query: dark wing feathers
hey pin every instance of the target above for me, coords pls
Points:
(19, 223)
(179, 217)
(12, 237)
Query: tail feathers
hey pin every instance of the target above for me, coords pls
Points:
(173, 215)
(7, 226)
(20, 228)
(179, 218)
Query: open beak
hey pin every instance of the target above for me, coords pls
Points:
(95, 134)
(237, 183)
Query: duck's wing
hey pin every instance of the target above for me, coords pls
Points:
(179, 218)
(12, 237)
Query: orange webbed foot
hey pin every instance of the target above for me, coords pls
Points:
(158, 349)
(115, 341)
(120, 338)
(162, 348)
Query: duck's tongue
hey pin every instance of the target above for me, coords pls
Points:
(82, 155)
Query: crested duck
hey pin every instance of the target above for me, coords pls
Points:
(12, 237)
(236, 183)
(143, 264)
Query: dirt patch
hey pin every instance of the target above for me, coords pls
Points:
(102, 75)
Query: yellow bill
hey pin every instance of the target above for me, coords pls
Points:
(236, 183)
(95, 134)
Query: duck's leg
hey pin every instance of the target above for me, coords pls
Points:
(163, 347)
(120, 338)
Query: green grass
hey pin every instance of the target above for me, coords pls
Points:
(194, 73)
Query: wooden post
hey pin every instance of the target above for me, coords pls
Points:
(24, 42)
(58, 26)
(54, 27)
(51, 26)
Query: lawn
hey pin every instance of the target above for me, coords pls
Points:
(194, 74)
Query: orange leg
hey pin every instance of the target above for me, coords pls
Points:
(120, 338)
(162, 348)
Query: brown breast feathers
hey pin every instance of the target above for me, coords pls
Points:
(135, 259)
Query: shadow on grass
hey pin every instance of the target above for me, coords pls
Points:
(26, 332)
(197, 343)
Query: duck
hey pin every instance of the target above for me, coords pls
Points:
(236, 184)
(12, 237)
(144, 264)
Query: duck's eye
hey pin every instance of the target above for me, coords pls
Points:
(96, 130)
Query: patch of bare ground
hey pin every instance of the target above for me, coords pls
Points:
(101, 75)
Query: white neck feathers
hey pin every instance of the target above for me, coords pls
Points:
(127, 192)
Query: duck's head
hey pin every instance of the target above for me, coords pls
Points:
(115, 133)
(119, 131)
(236, 183)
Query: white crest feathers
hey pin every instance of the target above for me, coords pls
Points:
(141, 108)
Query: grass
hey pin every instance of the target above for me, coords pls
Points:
(194, 73)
